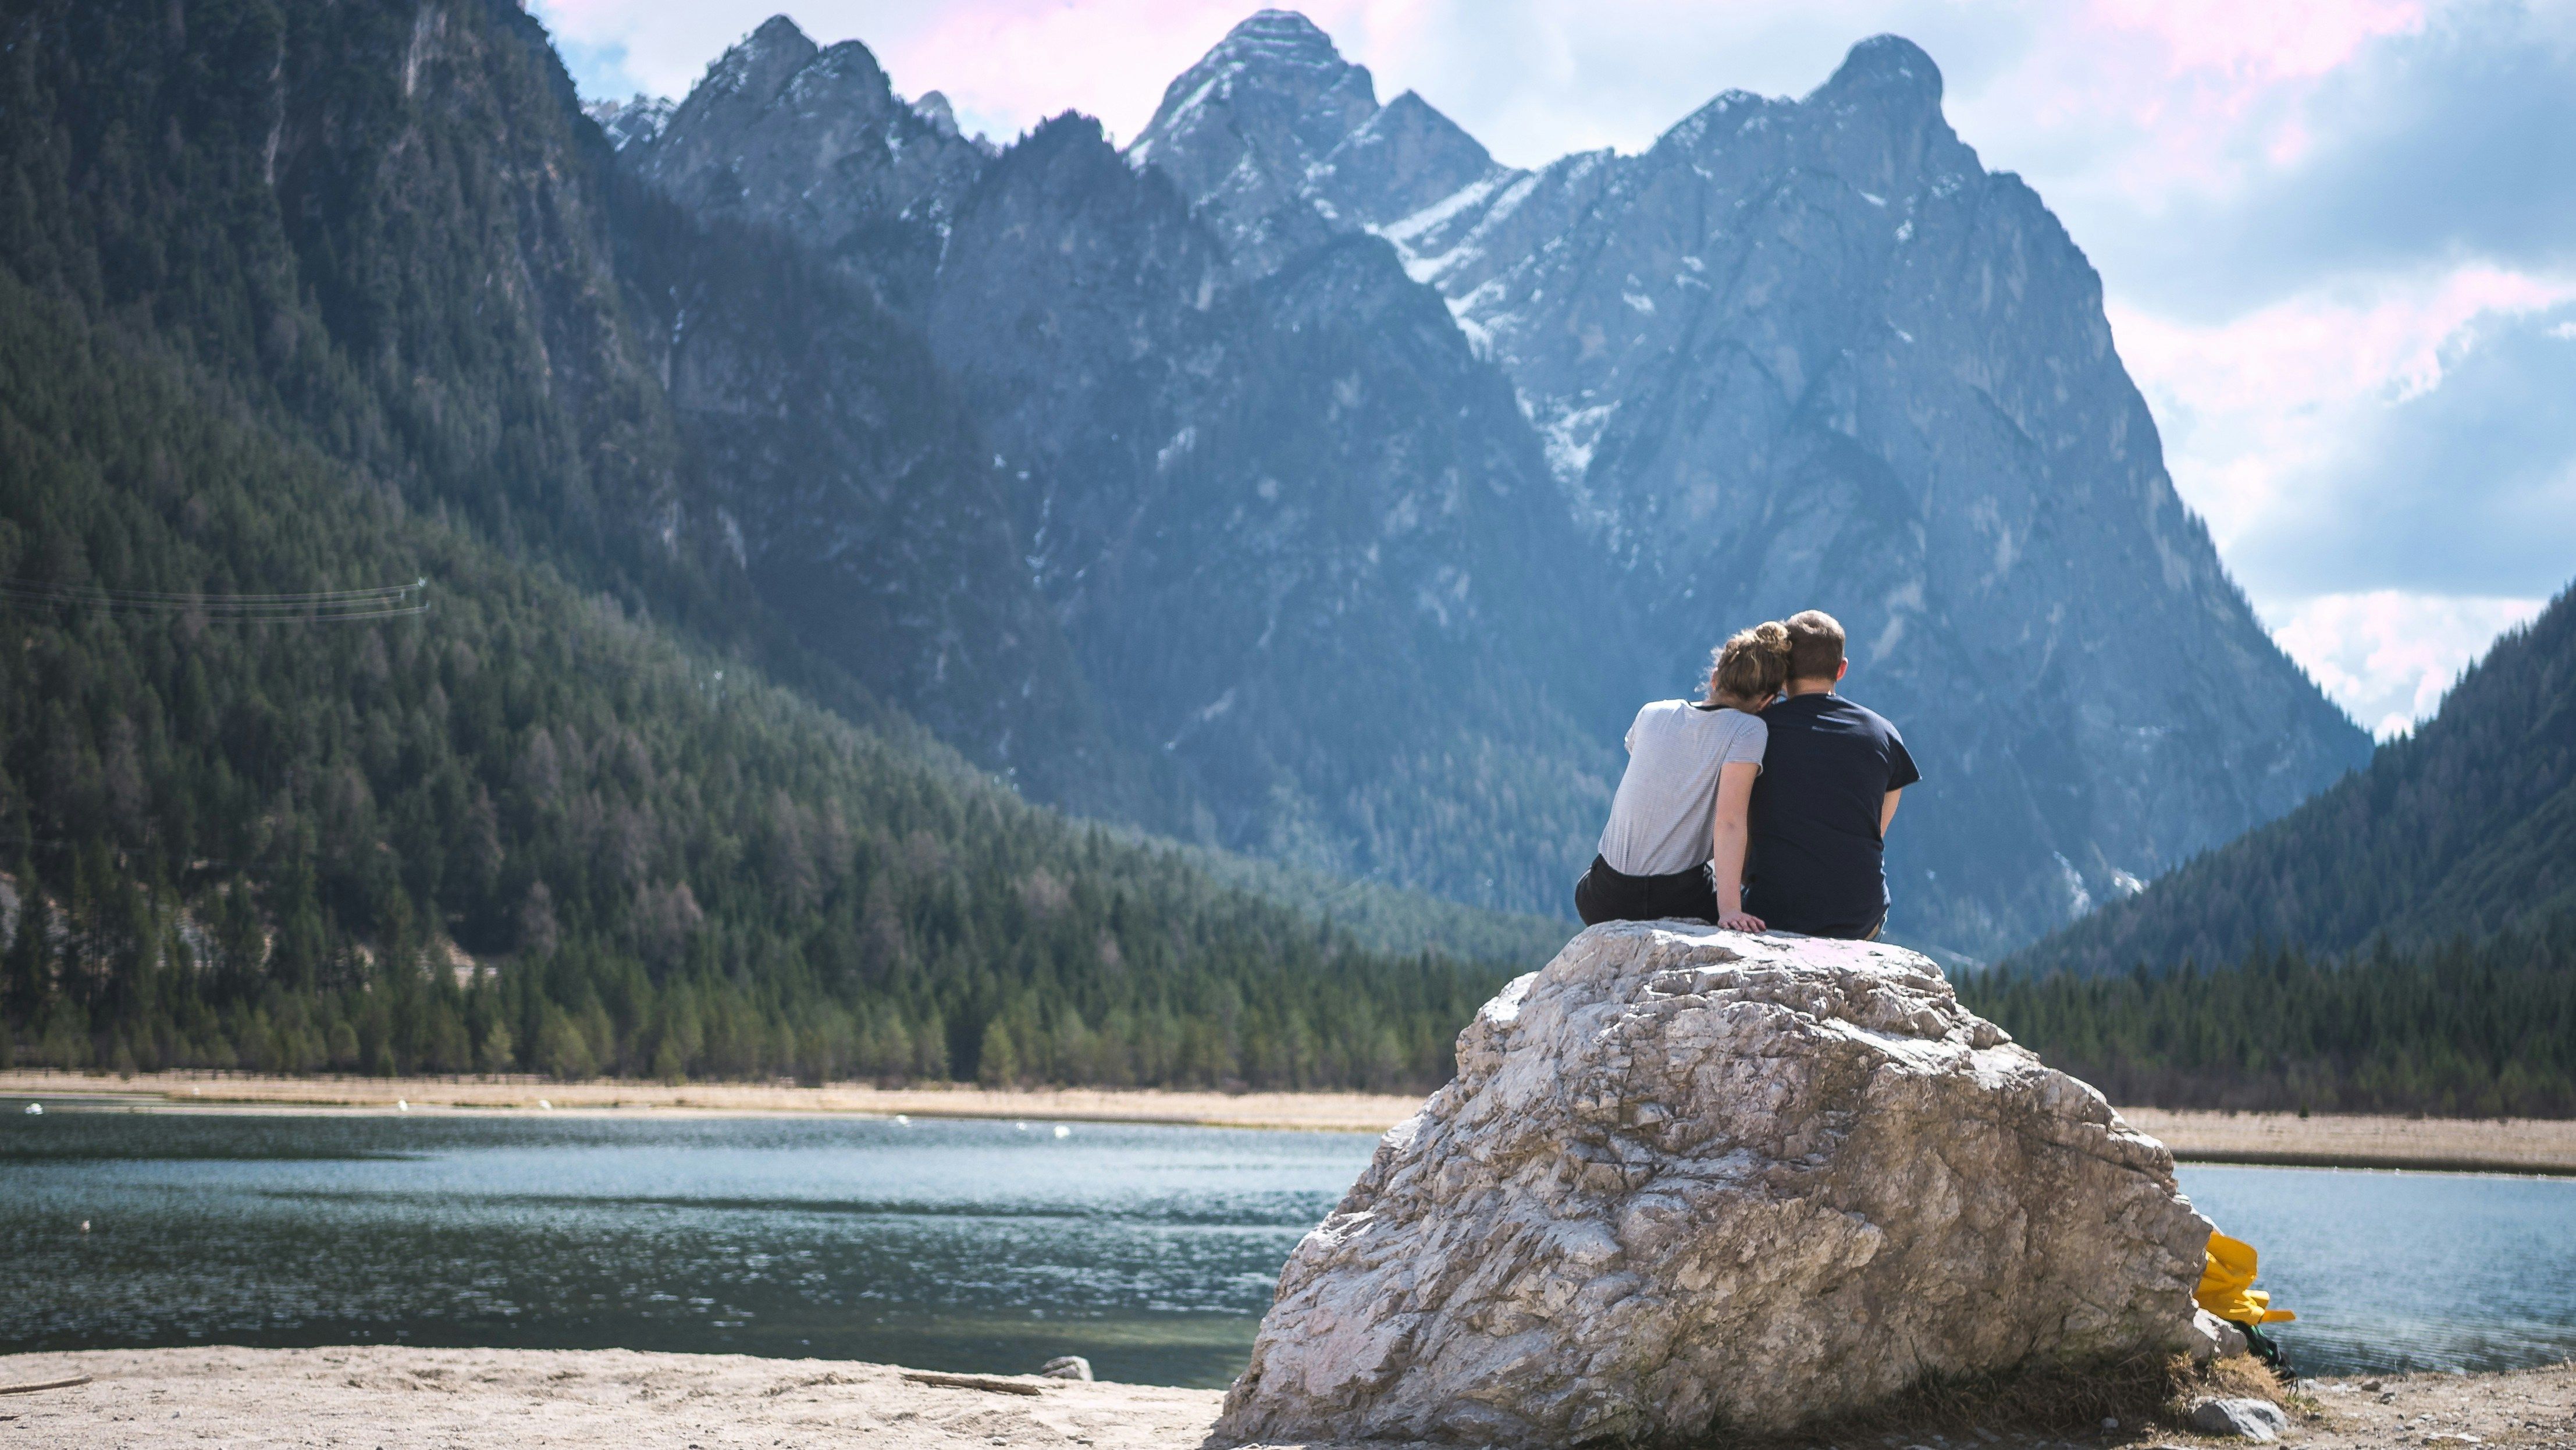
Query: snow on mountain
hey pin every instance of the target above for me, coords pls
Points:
(1317, 418)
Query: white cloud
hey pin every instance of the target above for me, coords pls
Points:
(2388, 657)
(2260, 411)
(2386, 465)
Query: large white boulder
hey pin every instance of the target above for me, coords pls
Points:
(1687, 1178)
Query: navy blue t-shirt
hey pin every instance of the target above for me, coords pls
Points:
(1814, 859)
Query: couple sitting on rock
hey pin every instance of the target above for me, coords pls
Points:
(1764, 806)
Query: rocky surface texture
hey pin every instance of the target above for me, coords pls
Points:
(814, 139)
(1296, 519)
(1282, 143)
(1685, 1180)
(1374, 483)
(2239, 1419)
(856, 498)
(1812, 353)
(1291, 514)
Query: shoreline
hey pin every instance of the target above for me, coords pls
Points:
(2526, 1146)
(182, 1092)
(596, 1399)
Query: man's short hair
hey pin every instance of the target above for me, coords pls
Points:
(1815, 645)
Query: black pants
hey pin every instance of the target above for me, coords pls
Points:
(1836, 933)
(1602, 894)
(1788, 921)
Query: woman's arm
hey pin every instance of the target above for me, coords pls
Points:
(1726, 844)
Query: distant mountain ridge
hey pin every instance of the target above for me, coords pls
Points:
(1374, 484)
(1351, 647)
(1282, 143)
(2463, 829)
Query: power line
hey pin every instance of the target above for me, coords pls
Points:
(311, 596)
(322, 606)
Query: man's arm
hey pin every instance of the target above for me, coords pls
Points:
(1727, 829)
(1887, 811)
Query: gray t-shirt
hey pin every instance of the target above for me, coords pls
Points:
(1659, 821)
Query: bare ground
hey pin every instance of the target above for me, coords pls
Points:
(2354, 1140)
(1336, 1112)
(468, 1399)
(2511, 1145)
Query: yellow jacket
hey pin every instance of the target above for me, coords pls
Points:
(2227, 1284)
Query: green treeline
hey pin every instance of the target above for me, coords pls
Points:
(2483, 1027)
(256, 845)
(292, 299)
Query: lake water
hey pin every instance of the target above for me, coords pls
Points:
(954, 1245)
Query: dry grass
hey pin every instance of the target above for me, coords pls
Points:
(2239, 1376)
(2140, 1391)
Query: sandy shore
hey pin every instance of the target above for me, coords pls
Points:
(2514, 1145)
(398, 1398)
(1331, 1112)
(2473, 1145)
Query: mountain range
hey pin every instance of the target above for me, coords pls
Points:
(1301, 480)
(410, 525)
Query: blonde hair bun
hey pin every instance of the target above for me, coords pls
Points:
(1751, 666)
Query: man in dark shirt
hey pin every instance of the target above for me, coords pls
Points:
(1821, 807)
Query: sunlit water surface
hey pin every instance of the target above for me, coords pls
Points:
(953, 1245)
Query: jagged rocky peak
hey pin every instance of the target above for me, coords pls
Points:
(1403, 159)
(628, 123)
(1239, 131)
(1113, 294)
(932, 106)
(760, 63)
(1281, 142)
(777, 66)
(1279, 50)
(1887, 70)
(814, 140)
(1579, 326)
(1876, 122)
(1888, 134)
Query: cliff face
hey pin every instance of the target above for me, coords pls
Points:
(847, 485)
(1294, 519)
(394, 225)
(813, 140)
(1373, 484)
(1812, 354)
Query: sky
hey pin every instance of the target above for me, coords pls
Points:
(2337, 238)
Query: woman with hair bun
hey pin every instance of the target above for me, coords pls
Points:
(1674, 846)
